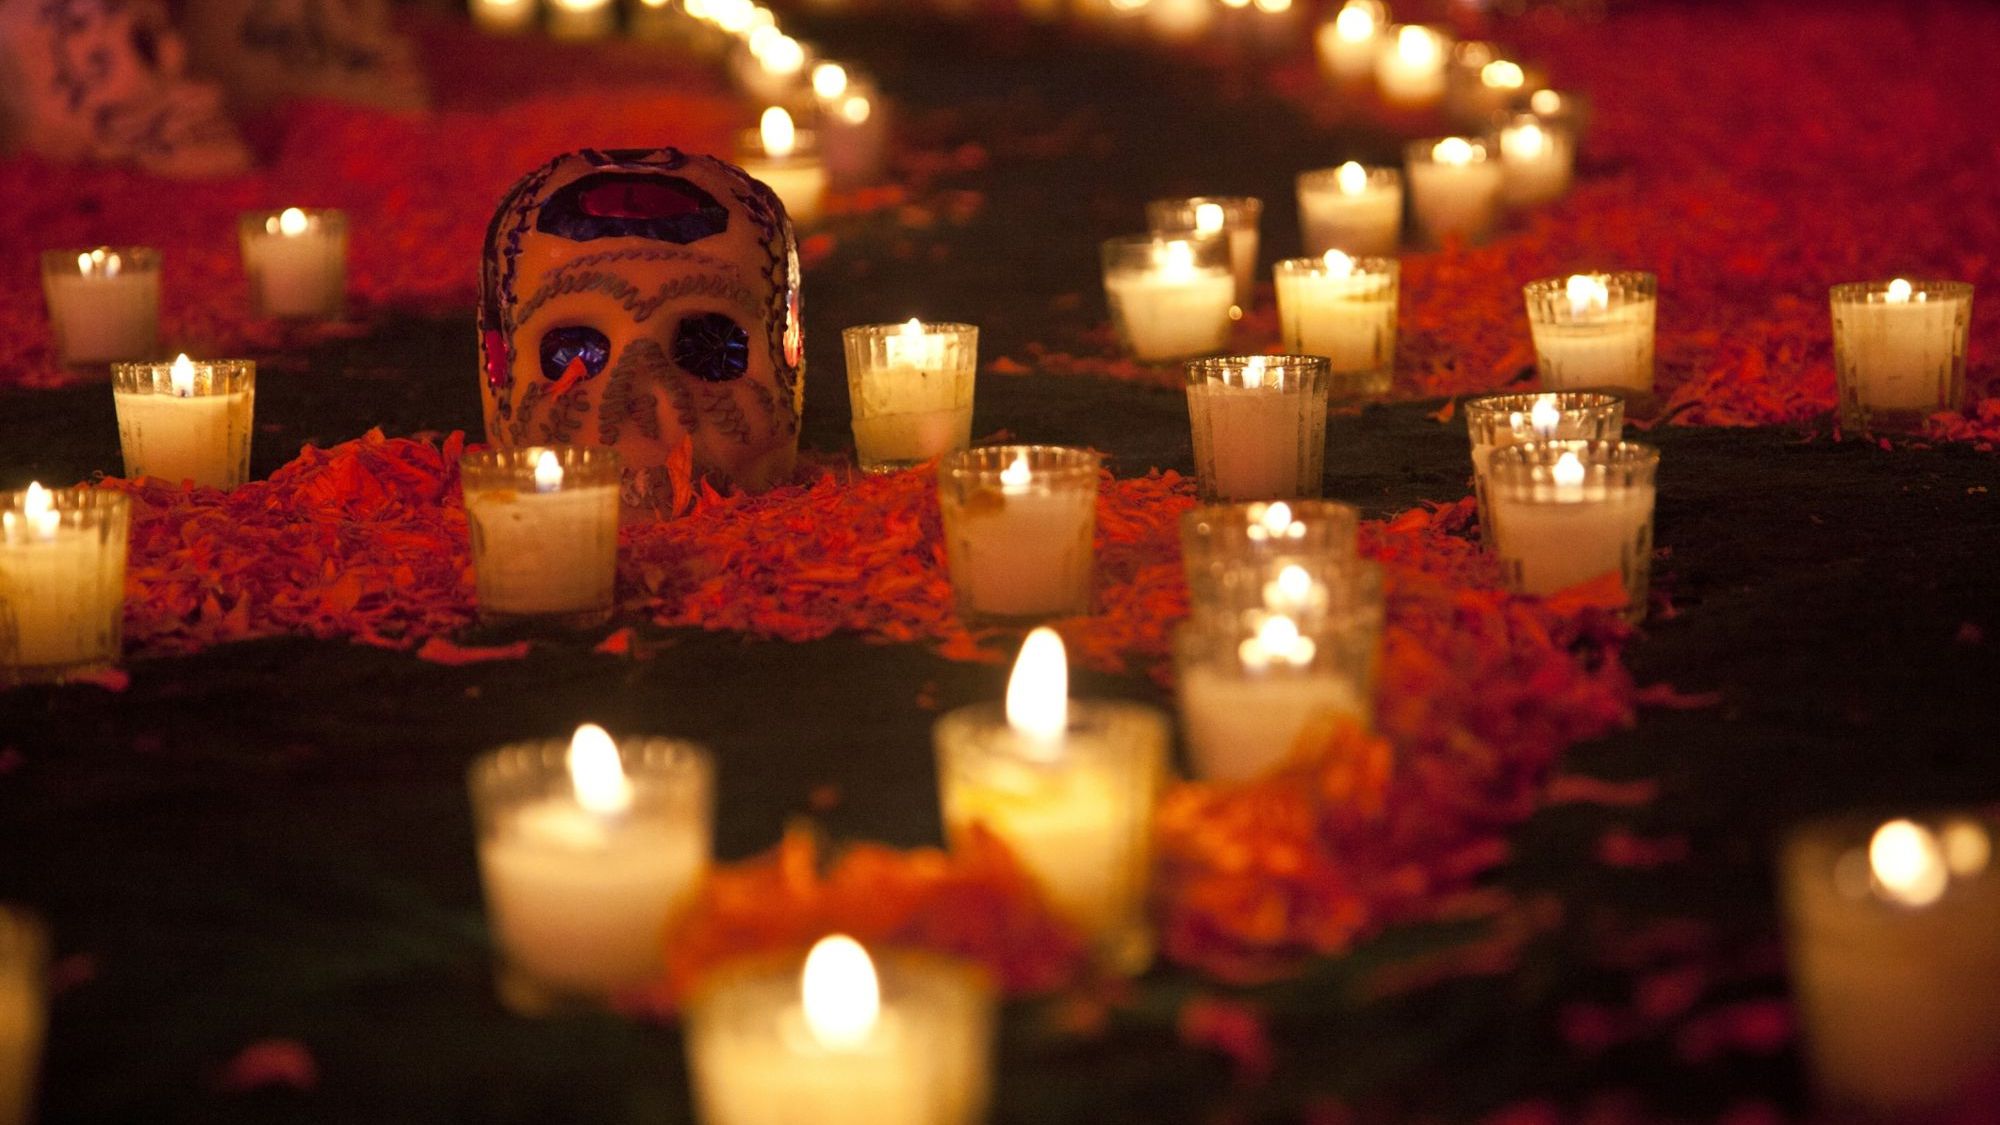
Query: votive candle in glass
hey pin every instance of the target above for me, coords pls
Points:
(1019, 529)
(1899, 350)
(587, 846)
(1348, 42)
(1353, 208)
(1235, 217)
(1410, 65)
(1539, 159)
(544, 527)
(842, 1037)
(104, 304)
(186, 421)
(296, 260)
(1343, 308)
(853, 127)
(1170, 296)
(910, 389)
(786, 159)
(1498, 421)
(1259, 424)
(1594, 331)
(768, 65)
(1455, 186)
(1220, 539)
(1566, 512)
(1890, 924)
(1069, 786)
(24, 962)
(62, 580)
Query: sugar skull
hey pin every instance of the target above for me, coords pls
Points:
(642, 299)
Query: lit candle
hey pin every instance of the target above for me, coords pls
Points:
(910, 389)
(853, 125)
(62, 580)
(24, 956)
(1069, 785)
(1353, 208)
(544, 527)
(1566, 512)
(1180, 19)
(1233, 217)
(1899, 349)
(1170, 297)
(1890, 927)
(1455, 185)
(186, 421)
(1498, 421)
(769, 65)
(104, 304)
(296, 261)
(846, 1039)
(1219, 540)
(1019, 522)
(1594, 330)
(1410, 64)
(787, 162)
(586, 848)
(1259, 425)
(1343, 308)
(505, 17)
(1348, 43)
(1538, 160)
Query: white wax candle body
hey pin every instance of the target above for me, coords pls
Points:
(1260, 443)
(1344, 59)
(1023, 555)
(1349, 320)
(582, 19)
(1240, 726)
(544, 552)
(1900, 355)
(202, 438)
(1455, 199)
(1610, 349)
(799, 182)
(1541, 176)
(1172, 316)
(100, 319)
(1553, 544)
(298, 275)
(1409, 82)
(64, 598)
(904, 414)
(504, 16)
(1367, 224)
(580, 902)
(1081, 839)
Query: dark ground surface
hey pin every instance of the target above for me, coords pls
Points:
(271, 840)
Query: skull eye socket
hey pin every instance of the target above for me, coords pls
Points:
(573, 343)
(712, 347)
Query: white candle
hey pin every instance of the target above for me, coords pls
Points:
(23, 1011)
(1455, 185)
(1566, 512)
(1410, 64)
(910, 389)
(1018, 526)
(1498, 421)
(1899, 349)
(185, 420)
(62, 580)
(584, 854)
(1538, 158)
(1234, 218)
(1347, 44)
(1343, 308)
(853, 126)
(1352, 208)
(1070, 788)
(1594, 330)
(769, 65)
(1247, 702)
(296, 261)
(787, 163)
(1259, 425)
(1170, 298)
(544, 526)
(505, 17)
(104, 304)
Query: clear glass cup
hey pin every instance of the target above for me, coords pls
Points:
(1354, 208)
(544, 528)
(62, 581)
(1219, 538)
(296, 262)
(104, 302)
(1497, 421)
(24, 970)
(1020, 523)
(1594, 331)
(1899, 350)
(1455, 187)
(1170, 295)
(1343, 308)
(1259, 425)
(910, 387)
(1566, 512)
(194, 426)
(1237, 217)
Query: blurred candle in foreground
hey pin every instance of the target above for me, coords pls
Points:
(1455, 187)
(1352, 208)
(787, 162)
(1899, 350)
(62, 580)
(186, 420)
(104, 304)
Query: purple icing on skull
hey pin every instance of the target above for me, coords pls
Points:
(639, 299)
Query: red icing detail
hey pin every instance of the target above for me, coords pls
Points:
(637, 199)
(497, 370)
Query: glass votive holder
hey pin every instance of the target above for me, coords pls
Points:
(1455, 187)
(1076, 810)
(1170, 295)
(1354, 208)
(1497, 421)
(186, 420)
(853, 128)
(62, 581)
(1020, 523)
(1344, 309)
(1219, 538)
(786, 159)
(1259, 425)
(1411, 63)
(1347, 43)
(1539, 159)
(1890, 924)
(910, 389)
(1899, 350)
(296, 260)
(587, 846)
(772, 1039)
(1565, 512)
(1594, 331)
(1235, 217)
(24, 964)
(544, 527)
(104, 304)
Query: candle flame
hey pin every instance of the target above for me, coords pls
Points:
(1277, 642)
(1418, 46)
(1176, 260)
(783, 56)
(548, 471)
(780, 137)
(1014, 479)
(1457, 151)
(1339, 264)
(292, 222)
(1545, 416)
(596, 773)
(1568, 471)
(856, 109)
(1294, 584)
(1967, 847)
(1273, 519)
(181, 375)
(38, 512)
(1908, 863)
(1355, 23)
(1587, 294)
(1525, 141)
(1899, 292)
(829, 80)
(1208, 218)
(1545, 102)
(1502, 74)
(1352, 178)
(1038, 689)
(98, 261)
(1253, 371)
(840, 993)
(913, 329)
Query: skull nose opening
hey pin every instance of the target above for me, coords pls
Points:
(572, 344)
(712, 347)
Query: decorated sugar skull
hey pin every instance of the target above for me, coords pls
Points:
(644, 299)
